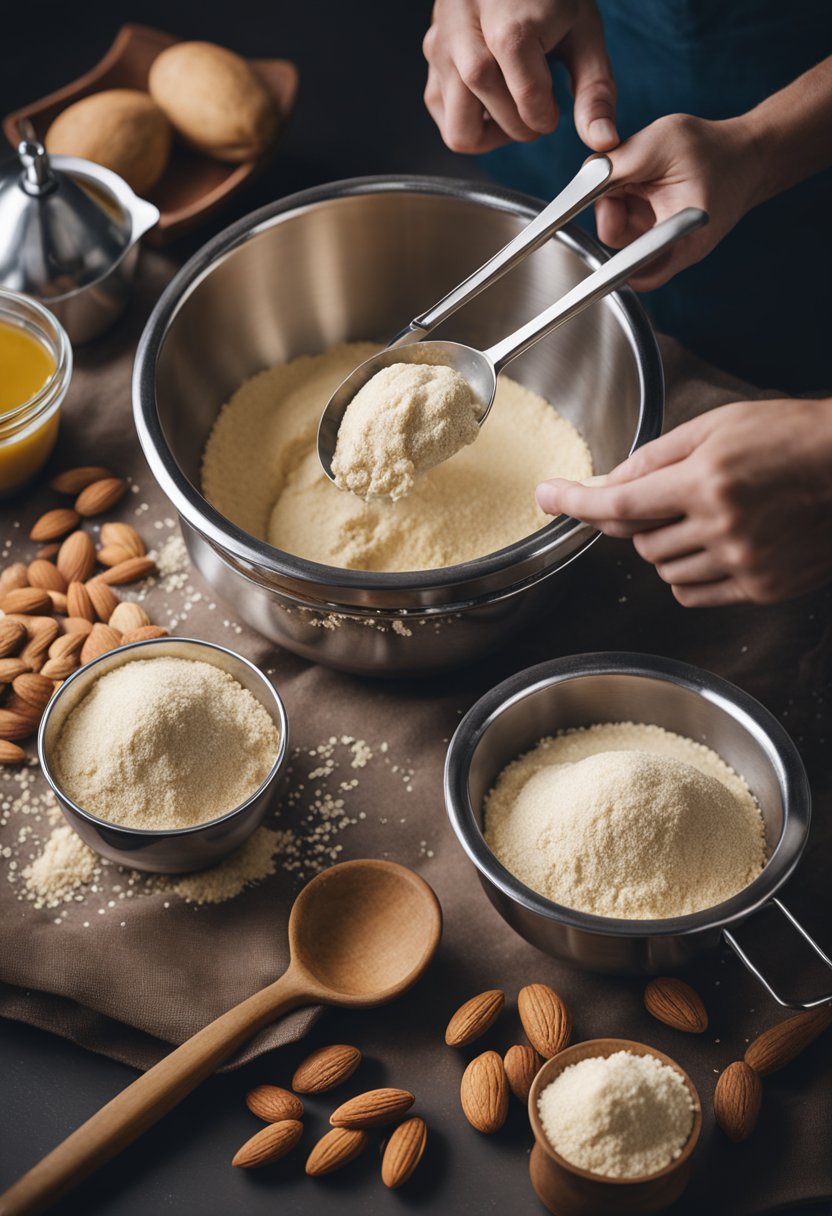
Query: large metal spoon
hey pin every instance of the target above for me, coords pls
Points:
(360, 934)
(481, 368)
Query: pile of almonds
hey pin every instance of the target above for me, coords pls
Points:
(320, 1072)
(485, 1085)
(60, 610)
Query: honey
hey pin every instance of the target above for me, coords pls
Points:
(25, 367)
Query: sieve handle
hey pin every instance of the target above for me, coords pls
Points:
(757, 973)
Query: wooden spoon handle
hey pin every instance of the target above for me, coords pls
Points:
(141, 1104)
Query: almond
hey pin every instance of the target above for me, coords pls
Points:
(24, 709)
(34, 689)
(46, 575)
(46, 552)
(474, 1017)
(112, 555)
(10, 753)
(10, 668)
(522, 1064)
(55, 524)
(76, 557)
(28, 601)
(129, 571)
(99, 640)
(148, 633)
(104, 601)
(42, 632)
(16, 726)
(100, 496)
(675, 1003)
(67, 643)
(79, 602)
(73, 481)
(372, 1107)
(12, 636)
(546, 1019)
(403, 1152)
(325, 1068)
(737, 1098)
(127, 617)
(58, 602)
(334, 1150)
(273, 1104)
(14, 576)
(484, 1093)
(124, 536)
(78, 624)
(779, 1045)
(59, 669)
(269, 1144)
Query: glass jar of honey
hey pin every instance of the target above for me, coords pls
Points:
(35, 370)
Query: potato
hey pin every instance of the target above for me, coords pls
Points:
(122, 129)
(214, 100)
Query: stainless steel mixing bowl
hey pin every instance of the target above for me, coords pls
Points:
(618, 687)
(354, 260)
(180, 849)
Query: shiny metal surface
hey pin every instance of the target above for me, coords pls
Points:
(183, 849)
(341, 263)
(617, 687)
(68, 236)
(482, 367)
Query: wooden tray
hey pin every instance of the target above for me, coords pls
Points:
(193, 185)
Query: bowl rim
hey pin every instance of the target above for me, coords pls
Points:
(222, 533)
(121, 829)
(591, 1049)
(745, 709)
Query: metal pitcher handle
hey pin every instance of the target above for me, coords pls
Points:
(755, 971)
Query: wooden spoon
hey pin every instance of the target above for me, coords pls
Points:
(360, 934)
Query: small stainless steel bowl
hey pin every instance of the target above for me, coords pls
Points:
(618, 687)
(181, 849)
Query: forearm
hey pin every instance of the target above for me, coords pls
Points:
(789, 135)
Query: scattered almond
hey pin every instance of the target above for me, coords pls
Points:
(127, 617)
(46, 552)
(14, 576)
(100, 496)
(59, 669)
(125, 537)
(737, 1098)
(42, 632)
(33, 688)
(483, 1092)
(147, 633)
(55, 524)
(372, 1107)
(129, 571)
(112, 555)
(10, 753)
(78, 624)
(79, 602)
(24, 709)
(104, 601)
(28, 601)
(474, 1017)
(46, 575)
(325, 1068)
(76, 557)
(675, 1003)
(269, 1144)
(779, 1045)
(12, 636)
(334, 1150)
(403, 1152)
(100, 639)
(67, 643)
(58, 602)
(9, 668)
(73, 481)
(546, 1019)
(273, 1104)
(522, 1064)
(16, 726)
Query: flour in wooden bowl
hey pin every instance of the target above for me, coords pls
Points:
(261, 471)
(628, 821)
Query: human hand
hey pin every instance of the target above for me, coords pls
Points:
(732, 507)
(489, 82)
(679, 161)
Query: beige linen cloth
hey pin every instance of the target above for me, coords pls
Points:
(130, 991)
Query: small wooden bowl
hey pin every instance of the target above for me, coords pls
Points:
(566, 1189)
(193, 185)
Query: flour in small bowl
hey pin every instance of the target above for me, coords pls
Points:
(628, 821)
(408, 418)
